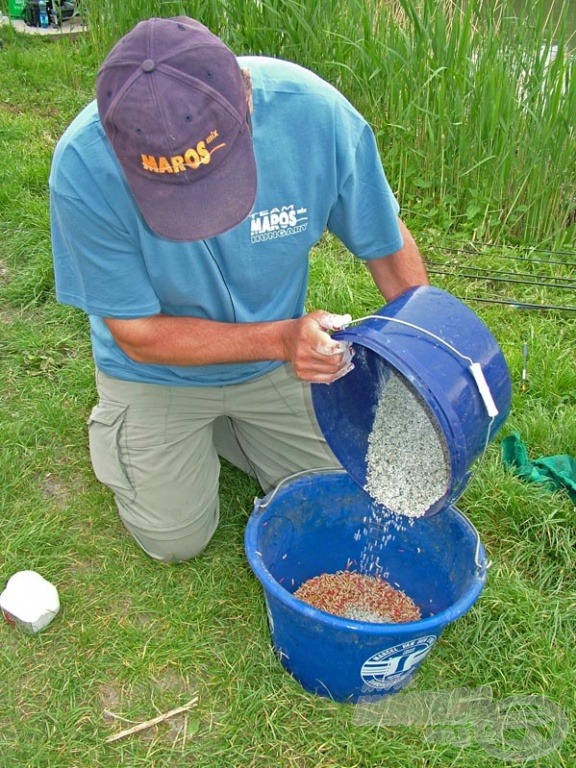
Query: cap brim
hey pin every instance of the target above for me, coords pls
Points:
(205, 208)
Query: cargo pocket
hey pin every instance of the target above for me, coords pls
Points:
(106, 433)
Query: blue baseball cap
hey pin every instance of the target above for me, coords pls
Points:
(173, 103)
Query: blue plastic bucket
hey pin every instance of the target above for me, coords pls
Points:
(315, 524)
(431, 339)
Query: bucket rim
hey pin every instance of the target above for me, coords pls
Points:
(436, 622)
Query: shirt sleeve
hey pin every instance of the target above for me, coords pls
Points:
(98, 266)
(365, 214)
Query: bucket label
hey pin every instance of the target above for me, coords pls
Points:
(392, 666)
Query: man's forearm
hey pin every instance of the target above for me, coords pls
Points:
(404, 269)
(304, 342)
(169, 340)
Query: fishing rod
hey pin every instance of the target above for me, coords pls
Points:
(531, 248)
(518, 304)
(501, 271)
(516, 258)
(492, 278)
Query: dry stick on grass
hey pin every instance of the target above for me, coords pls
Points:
(155, 721)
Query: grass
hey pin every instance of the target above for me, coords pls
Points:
(135, 638)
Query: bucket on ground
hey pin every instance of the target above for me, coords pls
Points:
(321, 523)
(16, 8)
(447, 357)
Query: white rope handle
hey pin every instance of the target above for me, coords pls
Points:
(474, 367)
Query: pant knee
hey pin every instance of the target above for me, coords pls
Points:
(175, 545)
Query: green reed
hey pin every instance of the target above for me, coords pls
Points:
(472, 103)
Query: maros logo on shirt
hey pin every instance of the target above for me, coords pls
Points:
(192, 158)
(277, 222)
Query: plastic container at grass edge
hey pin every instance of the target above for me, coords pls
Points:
(29, 602)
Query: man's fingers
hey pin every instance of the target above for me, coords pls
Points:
(331, 322)
(330, 346)
(329, 378)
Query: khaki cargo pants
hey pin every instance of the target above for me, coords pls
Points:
(158, 447)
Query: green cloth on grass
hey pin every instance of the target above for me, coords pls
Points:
(556, 472)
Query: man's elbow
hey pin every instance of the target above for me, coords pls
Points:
(133, 337)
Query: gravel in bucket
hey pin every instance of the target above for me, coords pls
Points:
(406, 464)
(359, 597)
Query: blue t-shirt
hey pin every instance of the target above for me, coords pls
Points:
(318, 168)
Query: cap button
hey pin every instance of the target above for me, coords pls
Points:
(148, 65)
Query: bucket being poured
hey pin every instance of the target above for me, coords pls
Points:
(320, 523)
(429, 391)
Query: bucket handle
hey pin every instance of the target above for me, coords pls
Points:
(481, 565)
(263, 503)
(474, 367)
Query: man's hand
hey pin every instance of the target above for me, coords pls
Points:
(314, 354)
